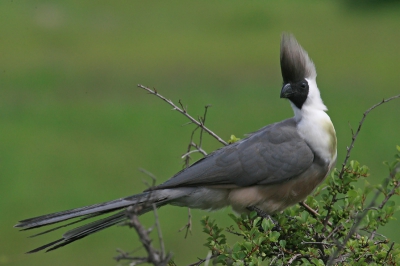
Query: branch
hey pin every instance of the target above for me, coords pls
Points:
(206, 259)
(188, 225)
(349, 149)
(355, 135)
(151, 175)
(295, 257)
(184, 112)
(390, 249)
(160, 237)
(395, 187)
(154, 256)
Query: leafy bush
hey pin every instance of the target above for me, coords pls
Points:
(335, 226)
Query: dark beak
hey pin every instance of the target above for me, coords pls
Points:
(286, 91)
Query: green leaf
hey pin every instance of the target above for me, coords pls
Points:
(253, 215)
(222, 258)
(233, 217)
(304, 216)
(317, 262)
(354, 196)
(273, 236)
(248, 246)
(233, 139)
(236, 247)
(267, 225)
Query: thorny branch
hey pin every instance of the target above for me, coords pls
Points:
(187, 158)
(184, 112)
(393, 191)
(151, 175)
(187, 226)
(159, 232)
(200, 124)
(355, 135)
(158, 258)
(192, 144)
(295, 257)
(201, 261)
(390, 249)
(154, 256)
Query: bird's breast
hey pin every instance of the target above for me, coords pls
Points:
(318, 131)
(277, 197)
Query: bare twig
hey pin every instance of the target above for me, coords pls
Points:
(187, 226)
(203, 120)
(151, 175)
(198, 149)
(393, 191)
(233, 232)
(295, 257)
(390, 249)
(186, 156)
(123, 255)
(311, 211)
(355, 135)
(183, 111)
(317, 243)
(201, 261)
(154, 256)
(160, 237)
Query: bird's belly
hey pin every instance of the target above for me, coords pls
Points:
(204, 198)
(273, 198)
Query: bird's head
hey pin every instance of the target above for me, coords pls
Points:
(299, 76)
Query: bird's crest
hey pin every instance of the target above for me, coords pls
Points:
(295, 63)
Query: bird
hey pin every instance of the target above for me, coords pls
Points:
(269, 170)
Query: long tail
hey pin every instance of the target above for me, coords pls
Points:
(142, 201)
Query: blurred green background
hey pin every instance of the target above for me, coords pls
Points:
(75, 129)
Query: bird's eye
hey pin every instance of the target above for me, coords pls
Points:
(303, 85)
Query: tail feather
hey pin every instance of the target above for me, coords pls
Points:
(44, 246)
(100, 208)
(143, 200)
(88, 229)
(61, 226)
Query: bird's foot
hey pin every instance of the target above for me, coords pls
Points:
(266, 216)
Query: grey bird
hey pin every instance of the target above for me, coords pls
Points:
(269, 170)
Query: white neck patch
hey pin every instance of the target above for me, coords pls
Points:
(315, 126)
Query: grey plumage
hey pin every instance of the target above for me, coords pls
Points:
(265, 157)
(271, 169)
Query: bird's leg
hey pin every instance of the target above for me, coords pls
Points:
(265, 215)
(260, 213)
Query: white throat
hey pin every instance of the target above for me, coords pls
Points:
(315, 126)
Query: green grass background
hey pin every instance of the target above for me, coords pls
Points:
(74, 129)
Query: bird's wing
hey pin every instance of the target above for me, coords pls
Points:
(274, 154)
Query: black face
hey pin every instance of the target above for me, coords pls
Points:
(296, 92)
